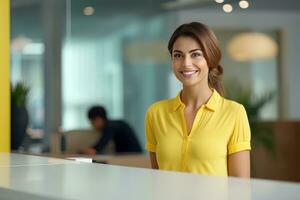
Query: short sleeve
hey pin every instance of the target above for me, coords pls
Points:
(240, 139)
(150, 137)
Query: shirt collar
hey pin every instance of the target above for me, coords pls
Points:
(212, 103)
(177, 103)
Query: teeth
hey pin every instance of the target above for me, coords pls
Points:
(188, 73)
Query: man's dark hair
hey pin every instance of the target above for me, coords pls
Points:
(97, 111)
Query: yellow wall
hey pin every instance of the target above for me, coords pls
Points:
(4, 78)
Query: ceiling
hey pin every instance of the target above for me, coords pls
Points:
(118, 13)
(130, 5)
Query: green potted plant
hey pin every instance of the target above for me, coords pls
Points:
(19, 114)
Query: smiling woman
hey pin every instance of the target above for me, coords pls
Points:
(4, 81)
(199, 131)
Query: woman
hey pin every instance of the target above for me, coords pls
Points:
(198, 131)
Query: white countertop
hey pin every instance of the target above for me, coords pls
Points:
(33, 177)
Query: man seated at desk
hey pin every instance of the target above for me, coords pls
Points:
(123, 136)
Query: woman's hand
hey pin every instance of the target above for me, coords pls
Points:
(154, 164)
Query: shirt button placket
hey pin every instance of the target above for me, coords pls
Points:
(186, 140)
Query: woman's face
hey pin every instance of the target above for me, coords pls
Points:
(188, 62)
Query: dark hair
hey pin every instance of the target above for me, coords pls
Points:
(97, 111)
(209, 45)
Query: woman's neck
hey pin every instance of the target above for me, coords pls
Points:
(195, 96)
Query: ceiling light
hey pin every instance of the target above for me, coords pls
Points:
(89, 10)
(219, 1)
(244, 4)
(227, 8)
(252, 46)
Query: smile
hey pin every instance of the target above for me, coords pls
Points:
(188, 73)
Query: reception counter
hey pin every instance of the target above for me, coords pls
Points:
(34, 177)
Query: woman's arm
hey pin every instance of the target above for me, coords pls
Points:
(153, 160)
(239, 164)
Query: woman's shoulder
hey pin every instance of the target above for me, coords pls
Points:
(232, 105)
(161, 105)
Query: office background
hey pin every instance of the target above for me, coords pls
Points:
(73, 54)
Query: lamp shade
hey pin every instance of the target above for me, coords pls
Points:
(252, 46)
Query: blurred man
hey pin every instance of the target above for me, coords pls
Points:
(118, 131)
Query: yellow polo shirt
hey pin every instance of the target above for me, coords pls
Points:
(220, 128)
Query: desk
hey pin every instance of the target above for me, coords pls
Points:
(33, 177)
(129, 160)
